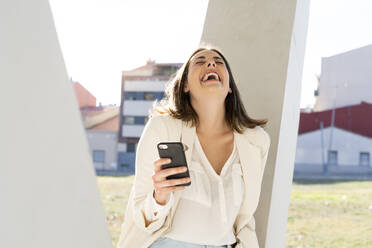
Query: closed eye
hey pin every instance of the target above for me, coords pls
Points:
(202, 62)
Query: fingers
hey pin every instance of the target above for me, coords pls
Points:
(169, 189)
(171, 182)
(163, 173)
(164, 186)
(159, 162)
(171, 171)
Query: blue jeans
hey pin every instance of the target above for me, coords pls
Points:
(163, 242)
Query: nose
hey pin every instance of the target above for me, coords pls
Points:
(212, 63)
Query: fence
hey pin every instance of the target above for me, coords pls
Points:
(332, 171)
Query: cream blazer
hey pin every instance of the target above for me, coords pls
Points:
(252, 146)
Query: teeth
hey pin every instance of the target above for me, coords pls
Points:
(210, 74)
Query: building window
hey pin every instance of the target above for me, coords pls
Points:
(139, 120)
(123, 165)
(134, 95)
(129, 120)
(159, 95)
(364, 158)
(316, 92)
(131, 147)
(130, 95)
(140, 95)
(149, 96)
(134, 120)
(145, 120)
(98, 156)
(332, 157)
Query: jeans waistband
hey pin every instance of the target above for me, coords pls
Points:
(164, 242)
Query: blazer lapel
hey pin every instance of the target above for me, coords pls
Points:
(187, 138)
(247, 151)
(250, 159)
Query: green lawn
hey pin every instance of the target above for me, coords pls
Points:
(321, 214)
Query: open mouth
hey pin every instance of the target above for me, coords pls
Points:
(211, 76)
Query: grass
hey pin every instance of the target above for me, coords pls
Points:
(114, 194)
(330, 214)
(321, 213)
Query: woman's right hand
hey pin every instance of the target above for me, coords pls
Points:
(163, 186)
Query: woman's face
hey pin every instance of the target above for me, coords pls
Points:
(208, 77)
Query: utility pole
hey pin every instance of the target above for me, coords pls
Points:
(333, 120)
(324, 165)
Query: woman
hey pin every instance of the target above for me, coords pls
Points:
(226, 152)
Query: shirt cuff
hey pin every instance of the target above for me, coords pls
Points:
(152, 207)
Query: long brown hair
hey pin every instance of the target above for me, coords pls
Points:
(177, 102)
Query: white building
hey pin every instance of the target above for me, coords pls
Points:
(102, 133)
(337, 135)
(344, 148)
(140, 88)
(346, 79)
(101, 125)
(348, 148)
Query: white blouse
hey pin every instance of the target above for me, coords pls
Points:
(209, 205)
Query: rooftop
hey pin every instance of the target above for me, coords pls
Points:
(353, 118)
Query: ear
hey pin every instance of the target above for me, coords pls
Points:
(230, 91)
(186, 88)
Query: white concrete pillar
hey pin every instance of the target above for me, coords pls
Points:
(48, 189)
(264, 42)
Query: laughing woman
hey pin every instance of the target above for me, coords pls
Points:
(226, 153)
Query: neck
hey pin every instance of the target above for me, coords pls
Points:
(211, 118)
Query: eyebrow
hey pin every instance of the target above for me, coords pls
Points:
(203, 57)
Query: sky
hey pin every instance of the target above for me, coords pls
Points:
(101, 38)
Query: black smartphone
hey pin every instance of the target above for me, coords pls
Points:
(174, 151)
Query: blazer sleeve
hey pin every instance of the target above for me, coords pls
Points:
(153, 210)
(246, 232)
(154, 132)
